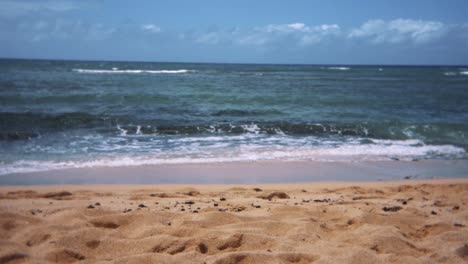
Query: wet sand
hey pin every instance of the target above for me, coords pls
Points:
(246, 173)
(341, 222)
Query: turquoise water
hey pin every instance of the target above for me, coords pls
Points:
(66, 114)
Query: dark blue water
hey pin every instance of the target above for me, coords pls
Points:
(60, 114)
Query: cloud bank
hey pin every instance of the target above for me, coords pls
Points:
(38, 25)
(400, 30)
(297, 34)
(17, 8)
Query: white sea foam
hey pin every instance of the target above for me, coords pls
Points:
(251, 147)
(253, 128)
(279, 131)
(339, 68)
(212, 138)
(117, 71)
(464, 72)
(123, 132)
(407, 142)
(450, 73)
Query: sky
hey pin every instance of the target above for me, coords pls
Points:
(422, 32)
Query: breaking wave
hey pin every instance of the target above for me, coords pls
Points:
(339, 68)
(241, 148)
(117, 71)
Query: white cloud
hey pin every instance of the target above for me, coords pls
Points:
(63, 29)
(294, 27)
(253, 39)
(400, 30)
(297, 26)
(151, 28)
(211, 38)
(292, 36)
(326, 27)
(15, 8)
(296, 33)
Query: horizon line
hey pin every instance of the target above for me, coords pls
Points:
(241, 63)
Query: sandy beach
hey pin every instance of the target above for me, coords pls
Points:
(353, 222)
(225, 132)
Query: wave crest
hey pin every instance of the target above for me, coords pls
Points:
(117, 71)
(199, 150)
(339, 68)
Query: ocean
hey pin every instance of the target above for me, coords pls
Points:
(76, 114)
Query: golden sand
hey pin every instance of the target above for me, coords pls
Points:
(386, 222)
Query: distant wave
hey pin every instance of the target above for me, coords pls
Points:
(339, 68)
(240, 112)
(450, 73)
(115, 70)
(455, 73)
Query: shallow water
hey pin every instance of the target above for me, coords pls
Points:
(71, 114)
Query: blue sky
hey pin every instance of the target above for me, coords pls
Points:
(312, 32)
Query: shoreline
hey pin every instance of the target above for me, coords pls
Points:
(180, 187)
(262, 172)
